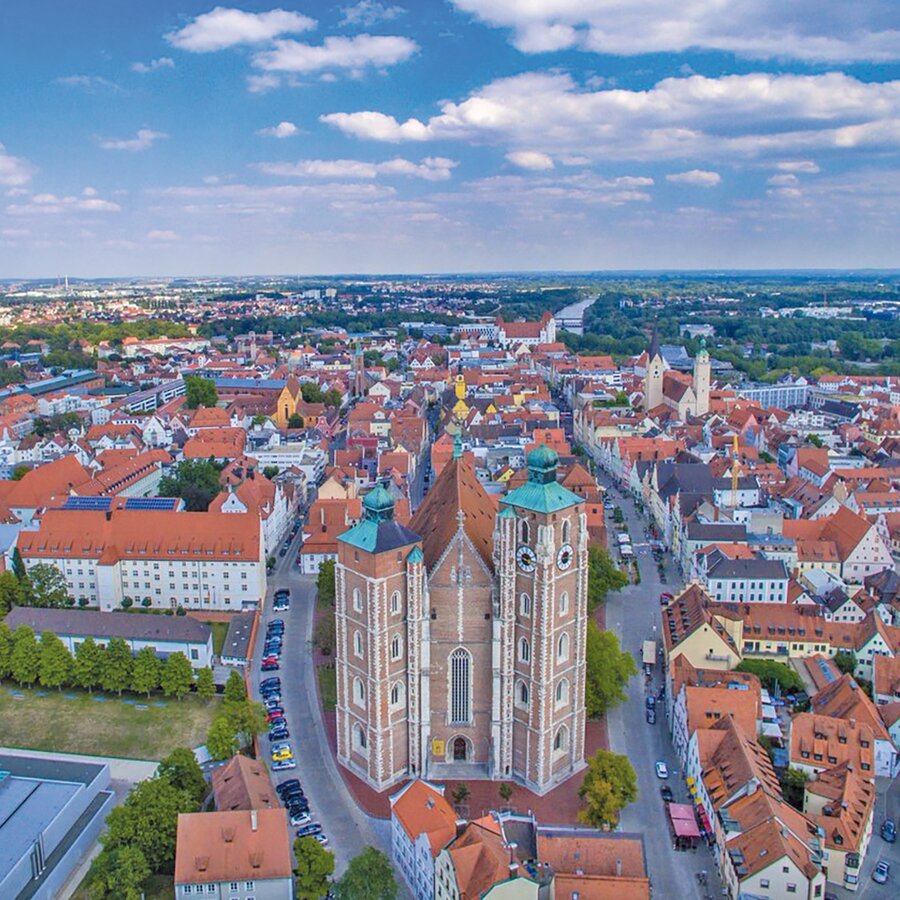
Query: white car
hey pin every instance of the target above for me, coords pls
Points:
(662, 770)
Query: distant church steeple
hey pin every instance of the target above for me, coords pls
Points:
(653, 380)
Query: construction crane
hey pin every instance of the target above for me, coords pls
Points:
(735, 471)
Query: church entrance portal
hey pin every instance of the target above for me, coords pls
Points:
(460, 749)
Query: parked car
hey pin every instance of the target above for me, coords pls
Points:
(298, 806)
(882, 872)
(651, 716)
(273, 714)
(651, 701)
(282, 765)
(666, 793)
(310, 830)
(282, 753)
(889, 831)
(270, 665)
(301, 818)
(284, 786)
(662, 770)
(275, 681)
(282, 551)
(322, 839)
(279, 734)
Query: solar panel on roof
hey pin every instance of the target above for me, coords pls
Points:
(88, 503)
(826, 669)
(151, 503)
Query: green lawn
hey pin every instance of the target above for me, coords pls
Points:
(108, 728)
(156, 887)
(219, 631)
(328, 687)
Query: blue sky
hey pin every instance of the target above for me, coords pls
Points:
(143, 138)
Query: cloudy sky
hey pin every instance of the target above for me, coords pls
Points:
(176, 137)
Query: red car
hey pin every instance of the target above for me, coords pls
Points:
(275, 714)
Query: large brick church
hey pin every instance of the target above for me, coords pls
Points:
(460, 646)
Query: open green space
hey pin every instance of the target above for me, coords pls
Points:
(156, 887)
(328, 687)
(110, 727)
(219, 631)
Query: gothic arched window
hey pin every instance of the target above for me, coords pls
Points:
(460, 686)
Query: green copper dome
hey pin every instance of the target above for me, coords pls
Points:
(542, 463)
(379, 504)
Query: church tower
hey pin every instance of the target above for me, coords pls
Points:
(653, 379)
(358, 373)
(542, 566)
(379, 585)
(701, 379)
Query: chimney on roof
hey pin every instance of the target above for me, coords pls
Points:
(254, 822)
(109, 515)
(618, 868)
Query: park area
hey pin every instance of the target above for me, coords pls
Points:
(102, 724)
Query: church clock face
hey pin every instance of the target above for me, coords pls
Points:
(525, 558)
(565, 556)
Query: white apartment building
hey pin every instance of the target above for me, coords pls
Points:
(157, 559)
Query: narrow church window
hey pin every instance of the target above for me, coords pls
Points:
(396, 647)
(563, 603)
(562, 692)
(395, 602)
(396, 693)
(565, 531)
(522, 693)
(460, 673)
(563, 647)
(524, 650)
(359, 737)
(561, 740)
(357, 600)
(359, 692)
(524, 605)
(524, 532)
(358, 643)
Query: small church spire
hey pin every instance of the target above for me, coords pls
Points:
(653, 352)
(458, 444)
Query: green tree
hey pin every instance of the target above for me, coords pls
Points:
(20, 472)
(118, 874)
(25, 659)
(44, 586)
(181, 769)
(200, 392)
(115, 674)
(221, 740)
(177, 675)
(6, 648)
(608, 670)
(368, 877)
(18, 564)
(295, 420)
(325, 634)
(235, 687)
(334, 398)
(325, 583)
(87, 666)
(196, 481)
(10, 592)
(246, 719)
(603, 576)
(206, 686)
(845, 660)
(148, 820)
(793, 786)
(56, 662)
(609, 785)
(270, 472)
(772, 673)
(506, 791)
(145, 671)
(461, 793)
(311, 392)
(315, 866)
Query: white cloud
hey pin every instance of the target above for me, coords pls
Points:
(281, 130)
(14, 172)
(161, 236)
(531, 160)
(223, 27)
(164, 62)
(51, 204)
(783, 180)
(90, 83)
(355, 52)
(802, 165)
(696, 178)
(432, 168)
(262, 84)
(758, 114)
(143, 140)
(817, 30)
(367, 13)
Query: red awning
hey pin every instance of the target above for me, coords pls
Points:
(684, 822)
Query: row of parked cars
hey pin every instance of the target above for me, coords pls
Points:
(294, 800)
(280, 750)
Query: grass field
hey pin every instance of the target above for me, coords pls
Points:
(328, 687)
(156, 887)
(219, 631)
(106, 728)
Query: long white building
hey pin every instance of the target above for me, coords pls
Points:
(158, 559)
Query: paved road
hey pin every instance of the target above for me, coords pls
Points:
(348, 828)
(887, 805)
(633, 613)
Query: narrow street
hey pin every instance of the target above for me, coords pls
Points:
(633, 614)
(348, 828)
